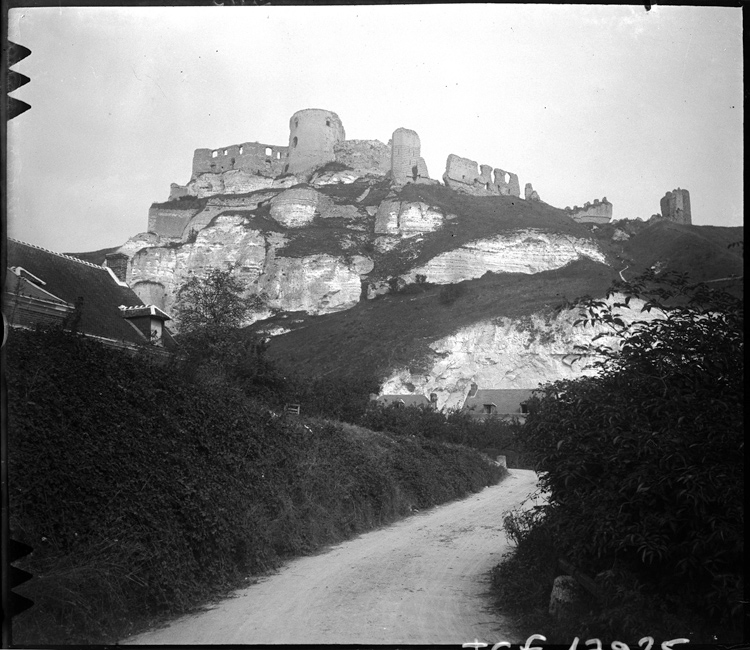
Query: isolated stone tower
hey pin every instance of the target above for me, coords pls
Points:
(675, 206)
(406, 164)
(313, 133)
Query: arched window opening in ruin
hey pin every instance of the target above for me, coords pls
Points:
(241, 149)
(232, 162)
(328, 122)
(226, 151)
(414, 172)
(486, 186)
(296, 122)
(214, 154)
(269, 151)
(278, 155)
(294, 141)
(286, 168)
(507, 177)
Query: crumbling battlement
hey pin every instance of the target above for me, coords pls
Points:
(364, 156)
(675, 206)
(252, 157)
(596, 212)
(461, 174)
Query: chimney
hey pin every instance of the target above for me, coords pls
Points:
(473, 389)
(118, 262)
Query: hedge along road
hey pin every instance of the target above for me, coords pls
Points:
(424, 579)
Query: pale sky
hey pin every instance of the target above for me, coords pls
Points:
(581, 101)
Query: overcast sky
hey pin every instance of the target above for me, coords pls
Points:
(581, 101)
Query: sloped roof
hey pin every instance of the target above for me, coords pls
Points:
(409, 399)
(69, 278)
(506, 400)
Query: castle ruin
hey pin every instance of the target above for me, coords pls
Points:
(675, 206)
(461, 175)
(597, 212)
(316, 137)
(406, 163)
(313, 134)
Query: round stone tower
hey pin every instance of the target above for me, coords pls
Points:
(313, 133)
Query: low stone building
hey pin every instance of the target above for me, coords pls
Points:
(504, 403)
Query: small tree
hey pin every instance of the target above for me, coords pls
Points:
(210, 311)
(212, 300)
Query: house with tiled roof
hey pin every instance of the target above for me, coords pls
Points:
(505, 403)
(48, 288)
(408, 399)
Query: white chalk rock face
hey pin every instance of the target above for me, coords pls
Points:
(503, 353)
(298, 206)
(227, 242)
(525, 251)
(240, 182)
(345, 177)
(317, 284)
(407, 219)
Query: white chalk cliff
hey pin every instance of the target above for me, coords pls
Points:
(502, 353)
(521, 251)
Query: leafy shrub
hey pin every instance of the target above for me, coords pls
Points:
(642, 462)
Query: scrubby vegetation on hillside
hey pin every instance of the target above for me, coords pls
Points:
(145, 490)
(643, 474)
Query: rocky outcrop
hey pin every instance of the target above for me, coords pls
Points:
(597, 212)
(236, 182)
(406, 219)
(503, 353)
(316, 284)
(298, 206)
(216, 205)
(519, 251)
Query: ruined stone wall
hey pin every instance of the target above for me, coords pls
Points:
(596, 212)
(407, 166)
(530, 194)
(675, 206)
(313, 134)
(507, 183)
(364, 156)
(252, 157)
(461, 174)
(169, 222)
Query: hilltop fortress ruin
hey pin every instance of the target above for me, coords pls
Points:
(317, 143)
(317, 137)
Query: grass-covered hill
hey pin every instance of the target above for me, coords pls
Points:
(144, 493)
(395, 329)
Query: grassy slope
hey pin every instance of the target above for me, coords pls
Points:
(393, 330)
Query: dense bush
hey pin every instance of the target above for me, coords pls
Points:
(491, 435)
(143, 494)
(642, 464)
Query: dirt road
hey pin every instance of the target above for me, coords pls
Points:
(421, 580)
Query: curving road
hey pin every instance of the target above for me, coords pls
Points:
(421, 580)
